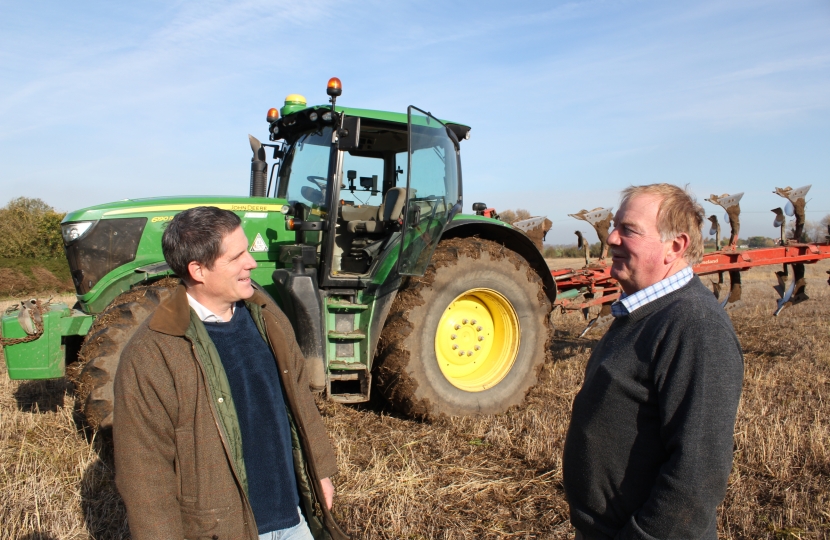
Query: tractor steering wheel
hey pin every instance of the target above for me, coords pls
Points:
(318, 181)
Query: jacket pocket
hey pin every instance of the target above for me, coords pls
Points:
(214, 524)
(186, 464)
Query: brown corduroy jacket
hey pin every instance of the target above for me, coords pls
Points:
(178, 450)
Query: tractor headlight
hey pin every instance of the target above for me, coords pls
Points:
(327, 116)
(73, 231)
(313, 116)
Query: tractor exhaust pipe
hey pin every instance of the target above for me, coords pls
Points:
(259, 168)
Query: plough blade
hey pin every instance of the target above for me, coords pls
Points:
(795, 293)
(730, 203)
(600, 219)
(593, 285)
(795, 206)
(536, 228)
(603, 320)
(733, 299)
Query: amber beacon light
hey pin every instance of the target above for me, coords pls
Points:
(273, 115)
(335, 87)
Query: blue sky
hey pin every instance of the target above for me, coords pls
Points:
(569, 102)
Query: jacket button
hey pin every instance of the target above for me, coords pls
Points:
(221, 400)
(285, 371)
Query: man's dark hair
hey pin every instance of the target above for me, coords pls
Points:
(196, 235)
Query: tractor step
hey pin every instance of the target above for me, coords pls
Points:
(349, 385)
(344, 306)
(353, 335)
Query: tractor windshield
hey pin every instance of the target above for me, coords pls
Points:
(303, 174)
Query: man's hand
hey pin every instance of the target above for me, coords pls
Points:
(328, 491)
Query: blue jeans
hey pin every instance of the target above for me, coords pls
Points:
(297, 532)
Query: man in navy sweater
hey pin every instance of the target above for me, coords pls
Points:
(649, 448)
(216, 432)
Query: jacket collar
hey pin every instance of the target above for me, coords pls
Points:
(172, 317)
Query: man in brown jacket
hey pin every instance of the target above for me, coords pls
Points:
(216, 432)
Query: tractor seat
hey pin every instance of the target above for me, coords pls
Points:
(390, 211)
(364, 212)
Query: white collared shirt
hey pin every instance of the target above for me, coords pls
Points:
(628, 303)
(204, 314)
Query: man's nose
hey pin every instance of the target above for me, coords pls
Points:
(614, 238)
(251, 263)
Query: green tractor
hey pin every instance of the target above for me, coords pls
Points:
(358, 235)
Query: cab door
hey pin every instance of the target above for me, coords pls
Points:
(432, 190)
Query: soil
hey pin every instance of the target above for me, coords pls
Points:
(30, 279)
(489, 477)
(13, 282)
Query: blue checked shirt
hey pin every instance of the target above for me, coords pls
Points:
(627, 304)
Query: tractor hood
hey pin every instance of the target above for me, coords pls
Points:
(163, 206)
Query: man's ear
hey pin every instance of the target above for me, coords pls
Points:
(677, 248)
(196, 271)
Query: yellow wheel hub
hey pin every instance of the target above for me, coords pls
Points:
(477, 340)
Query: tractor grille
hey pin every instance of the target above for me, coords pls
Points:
(109, 244)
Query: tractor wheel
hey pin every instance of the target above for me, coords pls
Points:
(94, 373)
(467, 338)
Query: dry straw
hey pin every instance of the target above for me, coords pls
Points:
(488, 477)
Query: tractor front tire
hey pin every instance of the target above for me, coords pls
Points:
(467, 338)
(94, 373)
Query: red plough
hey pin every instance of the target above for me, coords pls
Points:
(592, 285)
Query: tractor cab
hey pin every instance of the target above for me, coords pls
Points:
(356, 201)
(357, 180)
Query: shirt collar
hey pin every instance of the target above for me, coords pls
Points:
(204, 314)
(627, 304)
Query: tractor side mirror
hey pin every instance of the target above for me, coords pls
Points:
(348, 136)
(479, 207)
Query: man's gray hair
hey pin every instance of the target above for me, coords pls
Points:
(679, 213)
(196, 235)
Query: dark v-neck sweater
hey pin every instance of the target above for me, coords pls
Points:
(263, 421)
(649, 448)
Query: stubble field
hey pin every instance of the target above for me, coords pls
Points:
(487, 477)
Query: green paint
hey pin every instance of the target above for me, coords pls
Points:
(259, 215)
(476, 217)
(265, 228)
(369, 114)
(42, 358)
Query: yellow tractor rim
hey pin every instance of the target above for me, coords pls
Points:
(477, 340)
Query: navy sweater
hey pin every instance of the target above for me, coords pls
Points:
(266, 435)
(649, 448)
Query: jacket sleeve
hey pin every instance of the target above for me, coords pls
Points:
(322, 453)
(698, 380)
(144, 439)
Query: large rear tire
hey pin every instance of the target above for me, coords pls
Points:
(467, 338)
(100, 354)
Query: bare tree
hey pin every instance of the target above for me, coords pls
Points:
(521, 214)
(508, 216)
(816, 231)
(512, 216)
